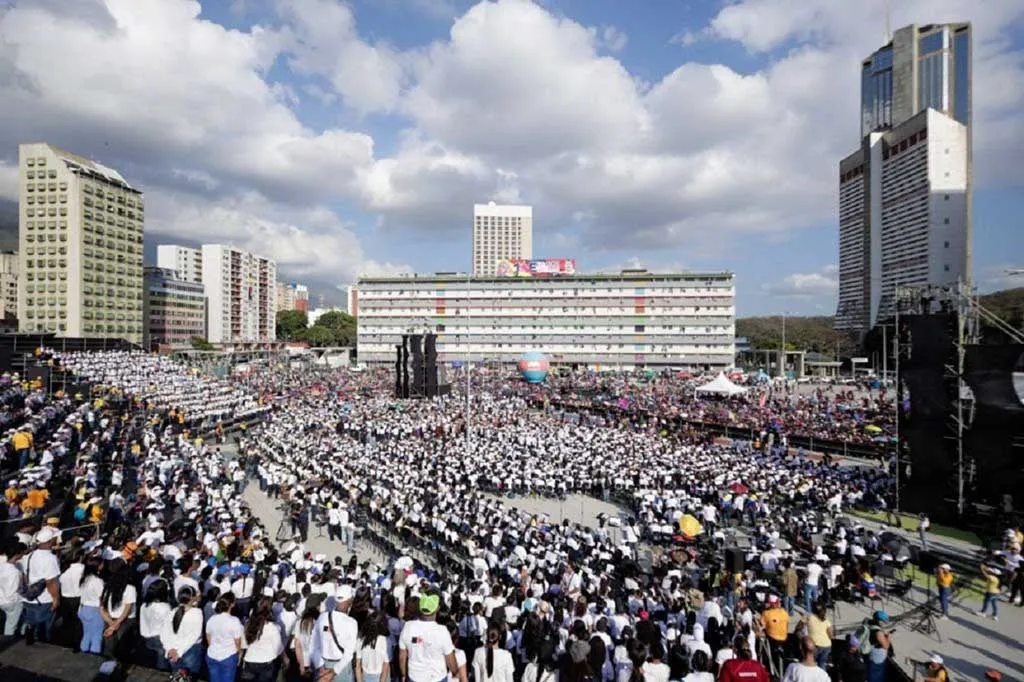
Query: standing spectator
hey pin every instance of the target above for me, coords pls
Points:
(91, 588)
(743, 668)
(153, 616)
(944, 579)
(493, 663)
(791, 585)
(373, 663)
(819, 629)
(335, 639)
(263, 645)
(923, 525)
(425, 648)
(806, 669)
(814, 571)
(182, 634)
(42, 570)
(117, 607)
(224, 635)
(849, 662)
(10, 587)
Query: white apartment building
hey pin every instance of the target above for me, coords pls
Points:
(903, 206)
(80, 247)
(8, 284)
(636, 318)
(905, 195)
(186, 261)
(240, 295)
(500, 233)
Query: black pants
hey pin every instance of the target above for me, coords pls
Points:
(70, 631)
(260, 672)
(1017, 585)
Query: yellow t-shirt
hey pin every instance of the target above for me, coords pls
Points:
(21, 440)
(991, 584)
(776, 624)
(945, 579)
(817, 630)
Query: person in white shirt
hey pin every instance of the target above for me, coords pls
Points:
(224, 635)
(491, 663)
(425, 649)
(41, 567)
(117, 606)
(814, 571)
(263, 644)
(70, 600)
(91, 589)
(805, 670)
(153, 616)
(10, 586)
(182, 634)
(373, 662)
(335, 639)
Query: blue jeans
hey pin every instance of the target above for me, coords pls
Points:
(222, 671)
(992, 599)
(821, 656)
(787, 603)
(12, 614)
(92, 629)
(944, 594)
(191, 660)
(36, 617)
(810, 596)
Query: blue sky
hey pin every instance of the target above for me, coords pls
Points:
(353, 137)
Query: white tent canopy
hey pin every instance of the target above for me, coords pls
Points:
(720, 385)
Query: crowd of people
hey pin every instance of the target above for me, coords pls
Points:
(143, 547)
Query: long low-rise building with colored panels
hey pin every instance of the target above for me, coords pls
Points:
(635, 318)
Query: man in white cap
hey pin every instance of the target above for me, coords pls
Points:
(42, 593)
(335, 639)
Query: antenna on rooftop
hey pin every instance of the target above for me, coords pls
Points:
(888, 20)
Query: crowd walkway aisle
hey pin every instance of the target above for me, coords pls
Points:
(266, 509)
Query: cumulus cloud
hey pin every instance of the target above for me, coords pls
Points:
(515, 103)
(805, 285)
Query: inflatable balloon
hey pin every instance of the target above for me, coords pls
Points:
(534, 367)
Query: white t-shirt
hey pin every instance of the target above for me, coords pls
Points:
(152, 618)
(503, 666)
(222, 630)
(699, 677)
(531, 671)
(813, 573)
(267, 646)
(10, 583)
(70, 579)
(798, 672)
(656, 672)
(128, 600)
(428, 645)
(40, 564)
(373, 658)
(92, 590)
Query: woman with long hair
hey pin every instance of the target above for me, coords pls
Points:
(224, 634)
(92, 589)
(182, 634)
(598, 660)
(491, 663)
(373, 660)
(117, 607)
(302, 641)
(263, 644)
(152, 616)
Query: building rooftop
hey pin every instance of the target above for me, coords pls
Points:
(625, 275)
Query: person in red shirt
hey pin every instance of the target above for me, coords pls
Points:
(743, 668)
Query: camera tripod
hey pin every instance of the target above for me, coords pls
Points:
(925, 622)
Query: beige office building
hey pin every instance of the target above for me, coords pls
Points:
(80, 247)
(500, 233)
(8, 284)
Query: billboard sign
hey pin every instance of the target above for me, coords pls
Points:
(546, 267)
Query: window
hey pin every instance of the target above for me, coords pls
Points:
(945, 221)
(945, 245)
(946, 268)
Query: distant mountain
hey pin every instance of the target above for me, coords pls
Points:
(8, 224)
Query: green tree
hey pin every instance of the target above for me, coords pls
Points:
(341, 325)
(316, 336)
(199, 343)
(290, 323)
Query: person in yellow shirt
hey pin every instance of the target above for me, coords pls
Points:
(11, 494)
(775, 623)
(944, 579)
(37, 497)
(990, 576)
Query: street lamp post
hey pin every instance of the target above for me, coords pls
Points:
(782, 352)
(469, 370)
